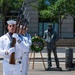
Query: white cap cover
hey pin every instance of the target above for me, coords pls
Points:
(11, 22)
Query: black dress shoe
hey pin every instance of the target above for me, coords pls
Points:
(47, 69)
(59, 68)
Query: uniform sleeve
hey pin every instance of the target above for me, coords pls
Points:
(5, 50)
(2, 51)
(11, 50)
(30, 40)
(23, 46)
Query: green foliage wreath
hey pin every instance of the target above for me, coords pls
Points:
(37, 44)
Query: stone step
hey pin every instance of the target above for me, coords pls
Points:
(61, 57)
(38, 55)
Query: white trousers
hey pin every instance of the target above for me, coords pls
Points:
(9, 69)
(25, 59)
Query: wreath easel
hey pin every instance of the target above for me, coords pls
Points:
(37, 46)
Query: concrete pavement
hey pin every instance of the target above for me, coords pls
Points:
(39, 69)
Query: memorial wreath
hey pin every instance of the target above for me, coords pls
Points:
(37, 44)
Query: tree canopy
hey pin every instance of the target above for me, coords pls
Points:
(7, 5)
(56, 8)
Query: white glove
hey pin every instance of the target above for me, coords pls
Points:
(16, 36)
(11, 50)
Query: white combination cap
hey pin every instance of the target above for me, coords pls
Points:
(11, 22)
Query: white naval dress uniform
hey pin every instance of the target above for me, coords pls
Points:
(25, 54)
(10, 69)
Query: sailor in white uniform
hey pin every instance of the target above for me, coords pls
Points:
(6, 50)
(25, 53)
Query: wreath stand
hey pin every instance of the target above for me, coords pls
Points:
(34, 59)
